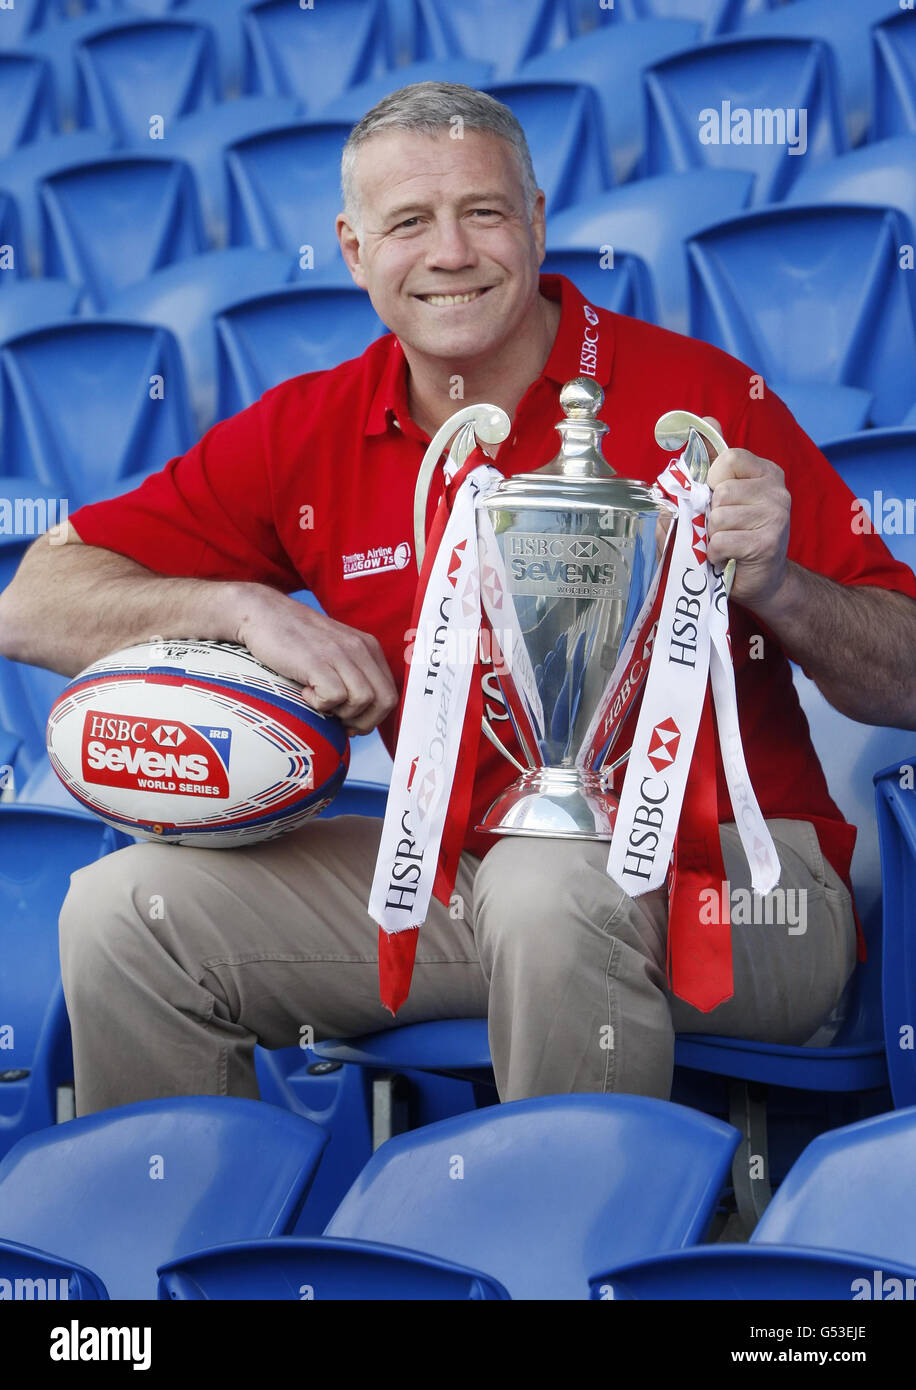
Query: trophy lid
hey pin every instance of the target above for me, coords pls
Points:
(579, 474)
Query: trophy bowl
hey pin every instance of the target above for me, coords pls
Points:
(569, 561)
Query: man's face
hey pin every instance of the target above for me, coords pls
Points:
(446, 252)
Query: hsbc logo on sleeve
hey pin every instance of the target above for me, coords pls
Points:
(148, 755)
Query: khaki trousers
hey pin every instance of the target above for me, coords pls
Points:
(177, 961)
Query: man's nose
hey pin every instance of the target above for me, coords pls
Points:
(450, 247)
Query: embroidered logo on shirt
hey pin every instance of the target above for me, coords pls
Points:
(376, 561)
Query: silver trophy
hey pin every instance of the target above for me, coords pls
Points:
(569, 556)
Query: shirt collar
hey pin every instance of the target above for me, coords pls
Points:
(389, 400)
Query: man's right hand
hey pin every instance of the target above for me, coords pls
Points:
(342, 671)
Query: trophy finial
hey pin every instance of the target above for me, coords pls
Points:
(581, 398)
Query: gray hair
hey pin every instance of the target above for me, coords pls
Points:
(428, 108)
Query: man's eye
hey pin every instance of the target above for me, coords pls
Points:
(486, 212)
(408, 223)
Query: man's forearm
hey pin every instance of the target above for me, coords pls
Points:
(857, 642)
(72, 604)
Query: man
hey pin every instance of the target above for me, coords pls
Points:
(447, 236)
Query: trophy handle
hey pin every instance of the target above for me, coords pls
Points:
(672, 431)
(490, 425)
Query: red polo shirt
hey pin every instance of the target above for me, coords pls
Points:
(312, 487)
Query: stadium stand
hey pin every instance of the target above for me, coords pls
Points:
(356, 101)
(716, 16)
(844, 1212)
(21, 20)
(244, 1167)
(511, 32)
(882, 174)
(267, 338)
(21, 1262)
(30, 304)
(202, 140)
(855, 322)
(654, 219)
(113, 222)
(284, 194)
(624, 286)
(186, 298)
(88, 406)
(130, 78)
(225, 17)
(507, 1204)
(40, 849)
(700, 104)
(565, 131)
(897, 837)
(611, 61)
(28, 100)
(824, 412)
(313, 54)
(894, 76)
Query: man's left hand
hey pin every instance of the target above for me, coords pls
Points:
(749, 522)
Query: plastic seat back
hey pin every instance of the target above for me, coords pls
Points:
(271, 337)
(353, 104)
(620, 282)
(168, 1176)
(894, 75)
(130, 75)
(28, 100)
(770, 106)
(29, 304)
(491, 1189)
(113, 222)
(716, 16)
(851, 1189)
(313, 54)
(565, 130)
(652, 219)
(187, 298)
(20, 21)
(812, 294)
(284, 195)
(512, 31)
(81, 409)
(31, 1274)
(22, 172)
(879, 175)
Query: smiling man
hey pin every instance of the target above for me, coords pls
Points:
(443, 225)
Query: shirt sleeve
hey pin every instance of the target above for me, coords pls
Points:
(208, 514)
(826, 531)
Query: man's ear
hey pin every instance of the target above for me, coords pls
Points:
(350, 248)
(538, 226)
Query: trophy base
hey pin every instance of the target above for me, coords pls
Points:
(554, 803)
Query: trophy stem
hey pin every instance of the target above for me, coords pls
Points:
(554, 802)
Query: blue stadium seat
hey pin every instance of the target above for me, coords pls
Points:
(624, 286)
(825, 412)
(202, 139)
(897, 837)
(29, 304)
(22, 172)
(225, 18)
(511, 32)
(12, 246)
(909, 418)
(126, 1190)
(128, 75)
(83, 409)
(33, 1270)
(28, 100)
(499, 1212)
(894, 74)
(611, 61)
(284, 194)
(353, 104)
(59, 44)
(811, 294)
(271, 337)
(313, 54)
(39, 849)
(653, 219)
(111, 223)
(18, 22)
(844, 1211)
(289, 1268)
(187, 297)
(845, 26)
(564, 125)
(879, 175)
(693, 100)
(455, 1044)
(716, 16)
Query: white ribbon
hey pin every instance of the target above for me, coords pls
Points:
(691, 643)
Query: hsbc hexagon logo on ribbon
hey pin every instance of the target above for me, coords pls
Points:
(663, 745)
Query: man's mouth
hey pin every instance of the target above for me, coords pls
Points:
(442, 301)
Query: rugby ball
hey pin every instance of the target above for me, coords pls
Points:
(194, 743)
